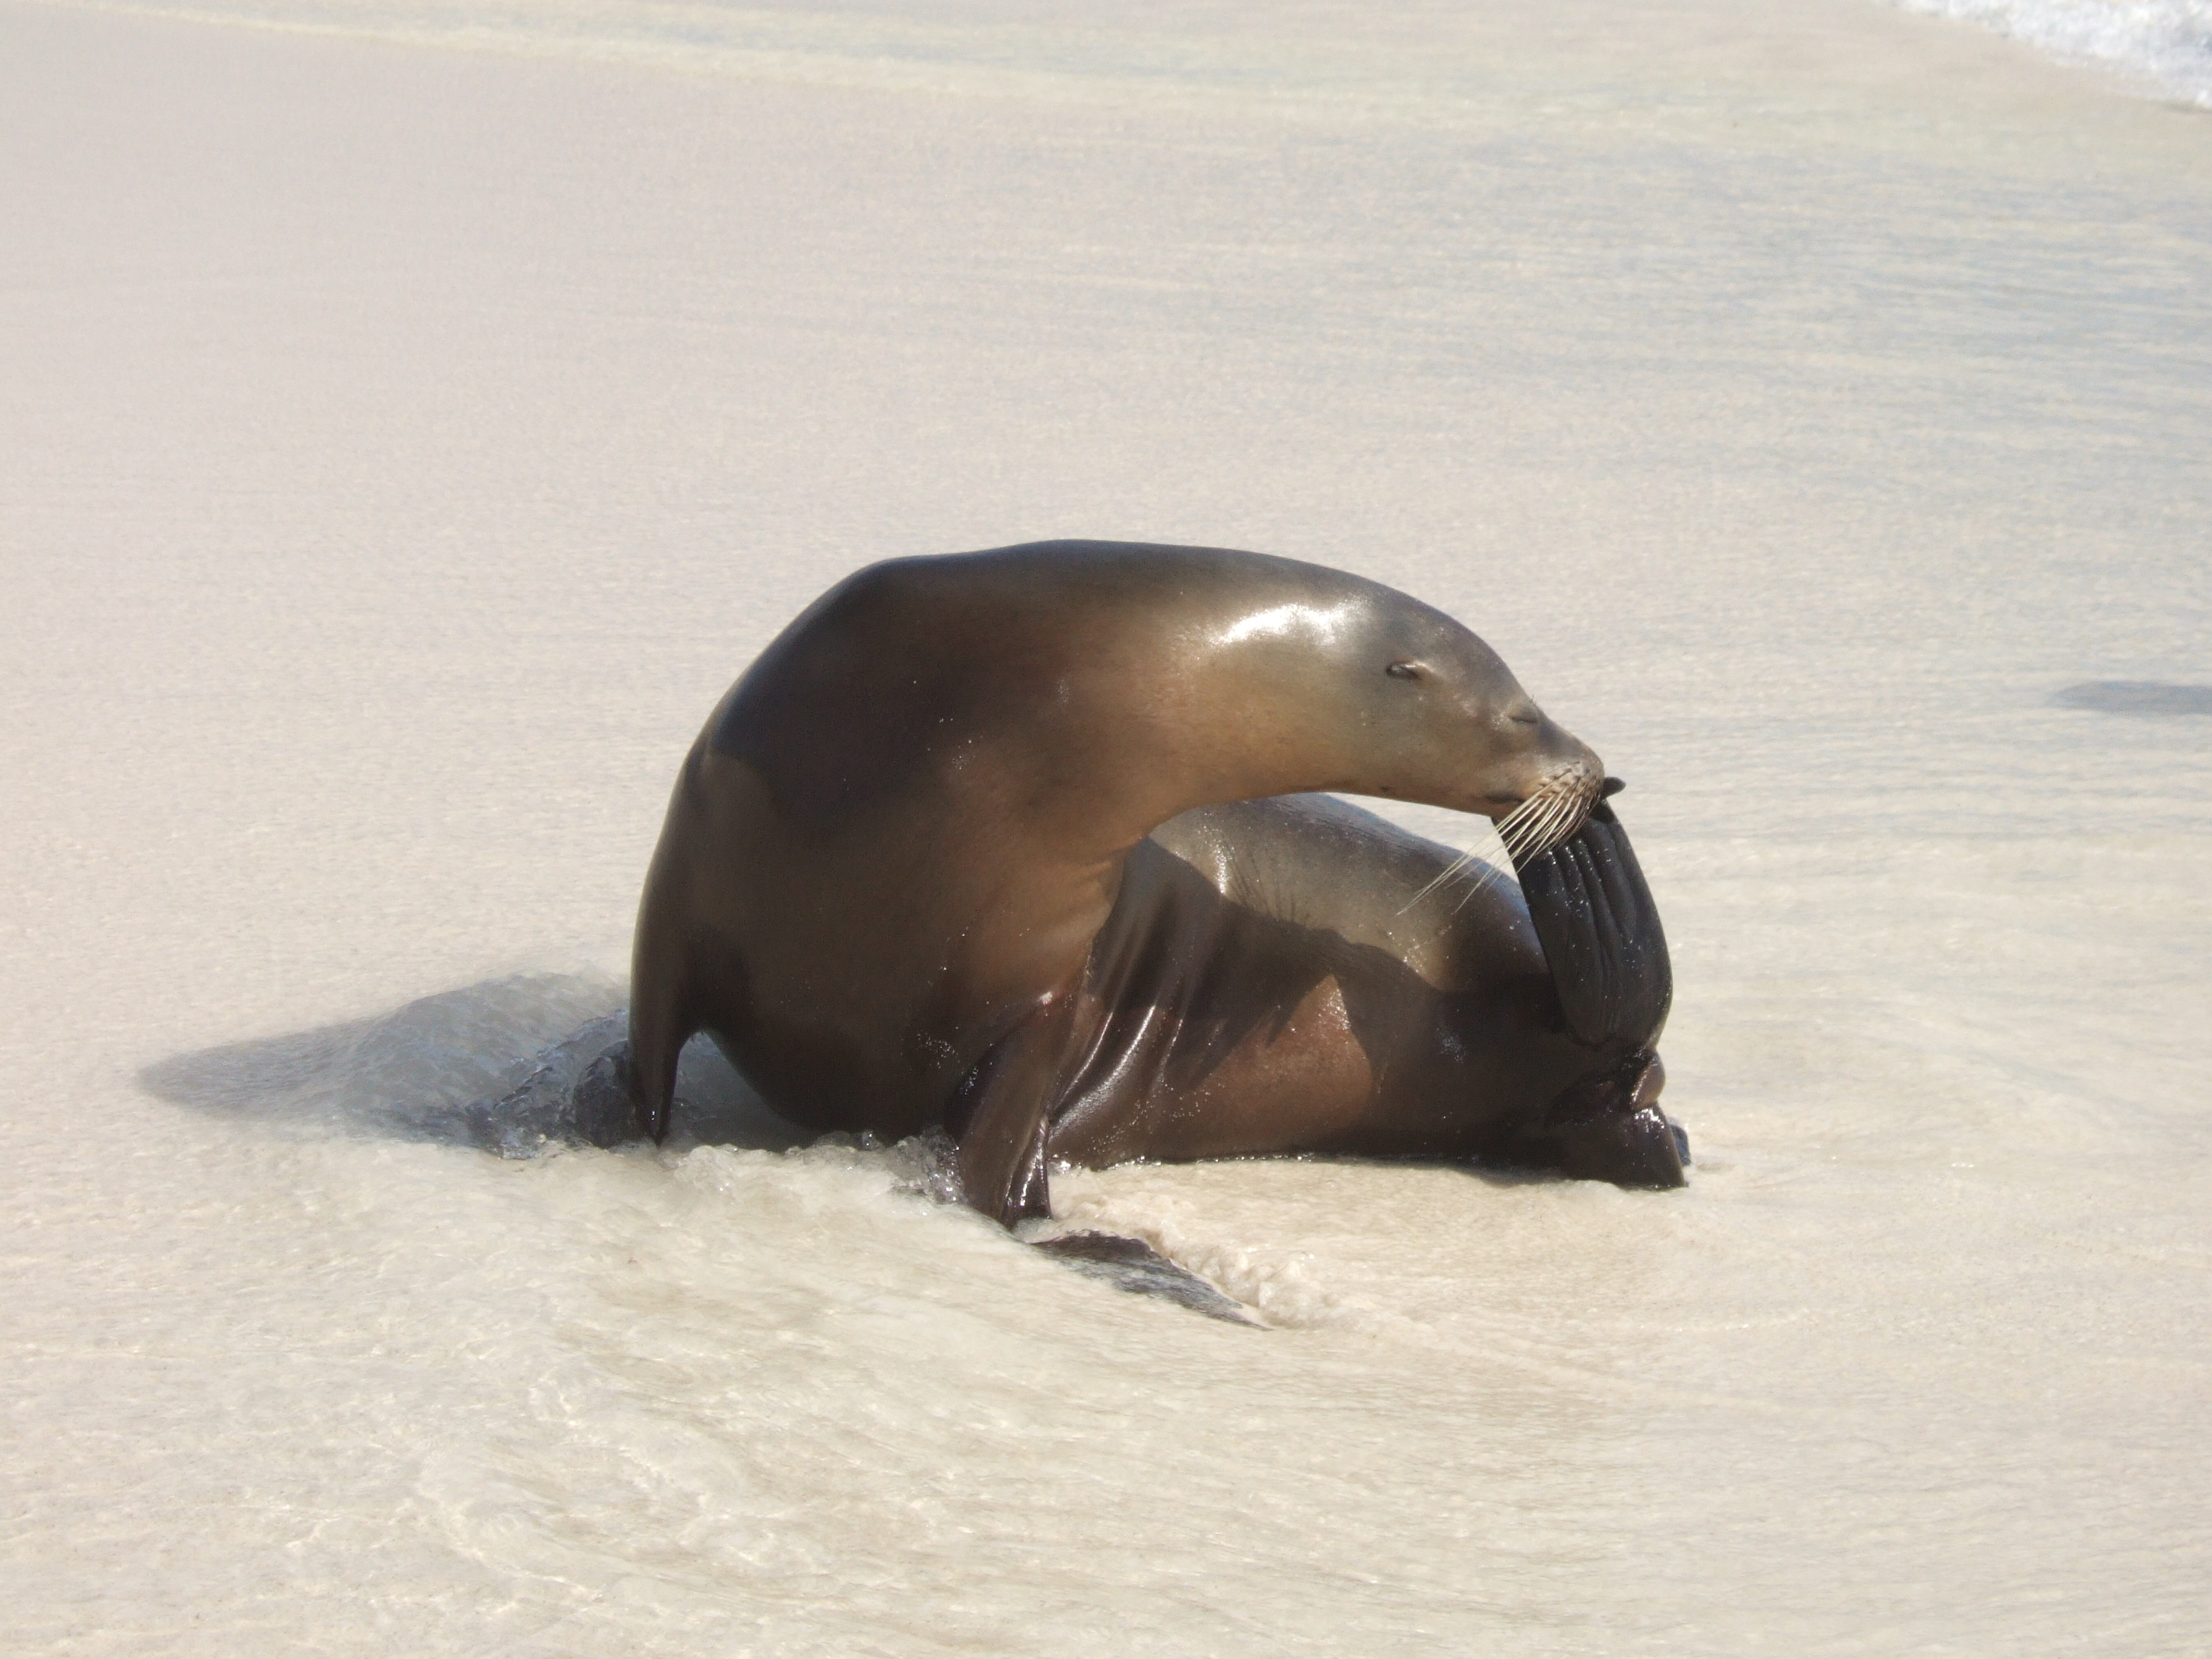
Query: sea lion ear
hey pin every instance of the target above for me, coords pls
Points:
(1407, 671)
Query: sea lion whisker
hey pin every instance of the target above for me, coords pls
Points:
(1523, 829)
(1490, 876)
(1574, 804)
(1559, 810)
(1578, 802)
(1528, 832)
(1515, 823)
(1506, 830)
(1510, 830)
(1441, 878)
(1502, 829)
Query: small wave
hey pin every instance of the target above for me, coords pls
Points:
(2166, 41)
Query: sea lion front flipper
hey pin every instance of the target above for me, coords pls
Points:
(998, 1118)
(1601, 937)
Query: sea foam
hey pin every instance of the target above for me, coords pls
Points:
(2165, 41)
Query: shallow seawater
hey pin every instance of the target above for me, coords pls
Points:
(407, 446)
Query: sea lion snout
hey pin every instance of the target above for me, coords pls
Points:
(1547, 756)
(1539, 793)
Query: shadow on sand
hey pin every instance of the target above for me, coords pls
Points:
(2135, 697)
(507, 1065)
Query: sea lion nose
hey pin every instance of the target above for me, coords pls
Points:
(1555, 748)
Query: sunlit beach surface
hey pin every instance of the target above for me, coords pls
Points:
(415, 416)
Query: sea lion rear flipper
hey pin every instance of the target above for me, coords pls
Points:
(1609, 1127)
(1607, 954)
(1602, 937)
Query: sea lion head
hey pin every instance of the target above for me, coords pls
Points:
(1409, 704)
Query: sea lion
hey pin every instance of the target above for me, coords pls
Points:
(909, 876)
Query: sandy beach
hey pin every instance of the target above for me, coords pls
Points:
(414, 417)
